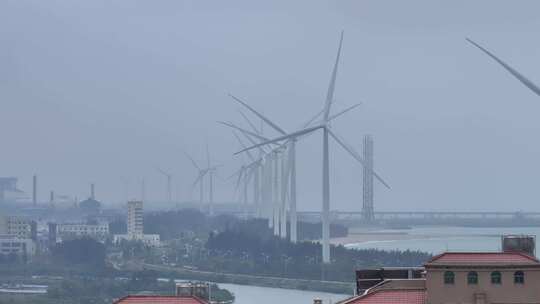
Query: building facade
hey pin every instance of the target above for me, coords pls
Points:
(510, 276)
(501, 277)
(135, 218)
(99, 231)
(135, 227)
(10, 244)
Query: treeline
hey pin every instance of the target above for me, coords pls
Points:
(241, 251)
(176, 224)
(83, 251)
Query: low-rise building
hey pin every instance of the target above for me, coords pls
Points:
(186, 293)
(152, 240)
(135, 227)
(510, 276)
(483, 277)
(98, 231)
(10, 244)
(19, 227)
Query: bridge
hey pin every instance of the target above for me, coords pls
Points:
(433, 217)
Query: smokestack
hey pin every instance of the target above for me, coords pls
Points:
(92, 191)
(52, 197)
(34, 190)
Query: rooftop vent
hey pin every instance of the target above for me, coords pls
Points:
(519, 243)
(190, 289)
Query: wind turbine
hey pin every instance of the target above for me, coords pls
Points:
(169, 183)
(199, 180)
(524, 80)
(211, 170)
(327, 131)
(288, 168)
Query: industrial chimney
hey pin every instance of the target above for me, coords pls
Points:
(34, 190)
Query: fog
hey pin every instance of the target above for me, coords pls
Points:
(106, 91)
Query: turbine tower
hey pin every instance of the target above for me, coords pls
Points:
(199, 180)
(169, 183)
(327, 131)
(209, 171)
(367, 179)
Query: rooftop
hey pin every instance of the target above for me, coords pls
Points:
(392, 296)
(482, 259)
(139, 299)
(401, 291)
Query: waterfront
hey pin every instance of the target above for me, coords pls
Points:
(265, 295)
(435, 239)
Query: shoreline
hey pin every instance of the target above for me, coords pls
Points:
(335, 287)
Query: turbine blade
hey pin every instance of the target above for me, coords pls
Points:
(354, 154)
(163, 172)
(249, 122)
(198, 179)
(266, 120)
(332, 85)
(343, 112)
(287, 136)
(313, 119)
(231, 125)
(239, 179)
(244, 146)
(234, 174)
(529, 84)
(192, 161)
(207, 156)
(249, 176)
(253, 142)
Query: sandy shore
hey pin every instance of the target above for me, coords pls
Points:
(354, 238)
(376, 234)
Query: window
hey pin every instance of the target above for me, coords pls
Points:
(449, 277)
(496, 277)
(519, 277)
(472, 278)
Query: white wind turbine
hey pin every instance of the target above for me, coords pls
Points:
(199, 180)
(270, 172)
(524, 80)
(289, 168)
(209, 171)
(326, 129)
(168, 175)
(262, 173)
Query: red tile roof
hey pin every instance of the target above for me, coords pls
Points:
(403, 296)
(159, 300)
(482, 258)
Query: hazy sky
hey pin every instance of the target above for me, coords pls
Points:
(105, 91)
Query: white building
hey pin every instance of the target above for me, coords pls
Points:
(135, 227)
(76, 230)
(135, 218)
(10, 244)
(16, 226)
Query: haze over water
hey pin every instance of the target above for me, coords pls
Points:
(438, 239)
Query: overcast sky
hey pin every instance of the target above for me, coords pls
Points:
(105, 91)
